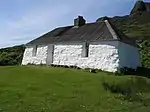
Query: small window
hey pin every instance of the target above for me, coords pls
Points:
(85, 50)
(34, 51)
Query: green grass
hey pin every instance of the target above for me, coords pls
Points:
(43, 89)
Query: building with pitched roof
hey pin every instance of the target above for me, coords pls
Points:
(98, 45)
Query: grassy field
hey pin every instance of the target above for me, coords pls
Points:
(43, 89)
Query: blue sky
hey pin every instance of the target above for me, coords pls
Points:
(24, 20)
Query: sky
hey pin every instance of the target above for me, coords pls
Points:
(24, 20)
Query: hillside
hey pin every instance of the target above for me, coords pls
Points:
(11, 55)
(44, 89)
(135, 26)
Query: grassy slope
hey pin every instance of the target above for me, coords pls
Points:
(136, 26)
(42, 89)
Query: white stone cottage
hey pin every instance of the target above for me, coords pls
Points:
(96, 45)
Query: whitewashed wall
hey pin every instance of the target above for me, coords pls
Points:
(101, 56)
(40, 58)
(129, 56)
(108, 56)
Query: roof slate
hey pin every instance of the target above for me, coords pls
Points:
(90, 32)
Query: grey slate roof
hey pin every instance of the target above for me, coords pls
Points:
(90, 32)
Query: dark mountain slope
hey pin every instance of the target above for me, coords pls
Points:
(135, 26)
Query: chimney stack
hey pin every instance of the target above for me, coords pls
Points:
(80, 21)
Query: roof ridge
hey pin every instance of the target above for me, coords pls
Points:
(111, 30)
(116, 34)
(64, 30)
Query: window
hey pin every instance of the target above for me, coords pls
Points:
(34, 51)
(85, 50)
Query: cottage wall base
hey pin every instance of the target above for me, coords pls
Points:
(101, 56)
(107, 56)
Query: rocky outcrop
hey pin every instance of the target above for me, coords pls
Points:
(140, 7)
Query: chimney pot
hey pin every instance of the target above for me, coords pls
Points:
(80, 21)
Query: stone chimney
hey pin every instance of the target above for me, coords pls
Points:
(80, 21)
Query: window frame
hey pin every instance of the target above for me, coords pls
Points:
(85, 50)
(34, 51)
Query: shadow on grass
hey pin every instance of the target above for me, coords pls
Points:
(140, 71)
